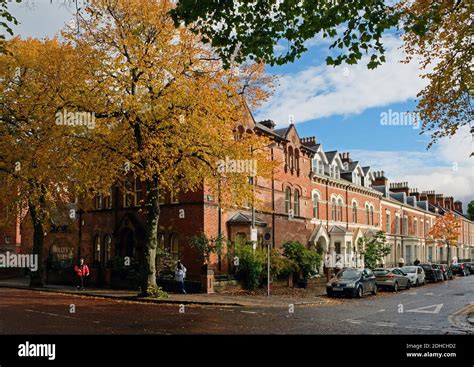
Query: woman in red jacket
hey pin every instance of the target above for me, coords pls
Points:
(82, 271)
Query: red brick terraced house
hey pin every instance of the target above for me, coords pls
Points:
(324, 199)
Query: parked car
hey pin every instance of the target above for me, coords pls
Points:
(352, 282)
(470, 266)
(446, 270)
(392, 278)
(415, 273)
(460, 269)
(432, 272)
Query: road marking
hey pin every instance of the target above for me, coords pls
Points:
(50, 314)
(248, 312)
(419, 327)
(435, 309)
(382, 310)
(353, 321)
(385, 324)
(412, 293)
(429, 294)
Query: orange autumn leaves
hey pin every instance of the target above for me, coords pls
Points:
(446, 229)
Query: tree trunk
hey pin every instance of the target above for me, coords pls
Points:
(148, 266)
(36, 277)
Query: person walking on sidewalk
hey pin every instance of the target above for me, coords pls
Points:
(82, 271)
(180, 275)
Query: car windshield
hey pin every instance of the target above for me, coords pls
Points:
(409, 269)
(426, 267)
(381, 271)
(349, 274)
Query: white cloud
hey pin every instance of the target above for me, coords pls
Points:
(321, 91)
(446, 168)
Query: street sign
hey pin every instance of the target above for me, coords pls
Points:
(267, 236)
(253, 235)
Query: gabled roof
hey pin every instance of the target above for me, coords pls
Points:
(366, 170)
(331, 155)
(240, 217)
(267, 130)
(339, 229)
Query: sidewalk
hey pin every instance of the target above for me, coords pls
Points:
(215, 299)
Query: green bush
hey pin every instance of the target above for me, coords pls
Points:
(280, 266)
(251, 264)
(307, 261)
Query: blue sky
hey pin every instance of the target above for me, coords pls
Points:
(342, 107)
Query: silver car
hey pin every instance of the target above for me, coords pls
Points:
(415, 273)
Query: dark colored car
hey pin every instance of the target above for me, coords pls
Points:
(393, 278)
(447, 272)
(460, 269)
(432, 272)
(470, 266)
(352, 282)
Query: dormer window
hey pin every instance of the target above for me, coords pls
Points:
(315, 163)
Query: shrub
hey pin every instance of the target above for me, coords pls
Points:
(251, 264)
(307, 261)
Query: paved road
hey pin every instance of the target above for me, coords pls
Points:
(429, 309)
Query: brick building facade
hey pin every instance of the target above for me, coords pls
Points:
(323, 199)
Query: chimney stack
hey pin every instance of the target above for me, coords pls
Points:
(458, 206)
(400, 187)
(379, 179)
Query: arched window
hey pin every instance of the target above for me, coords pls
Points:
(296, 203)
(415, 227)
(371, 215)
(339, 210)
(287, 200)
(333, 209)
(315, 205)
(97, 248)
(354, 212)
(174, 246)
(108, 247)
(367, 214)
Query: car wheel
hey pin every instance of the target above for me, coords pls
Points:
(417, 284)
(408, 285)
(395, 287)
(360, 292)
(374, 291)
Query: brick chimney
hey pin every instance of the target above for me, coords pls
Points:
(309, 141)
(400, 187)
(415, 193)
(439, 199)
(428, 195)
(345, 157)
(458, 206)
(380, 179)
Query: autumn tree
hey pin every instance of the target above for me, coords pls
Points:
(446, 230)
(171, 109)
(440, 34)
(41, 165)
